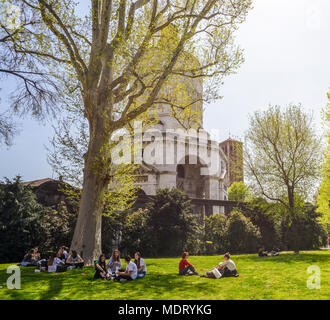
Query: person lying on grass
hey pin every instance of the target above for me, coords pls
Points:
(227, 268)
(263, 253)
(140, 264)
(101, 271)
(129, 274)
(185, 267)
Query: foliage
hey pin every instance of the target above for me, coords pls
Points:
(172, 222)
(25, 223)
(238, 191)
(165, 227)
(21, 220)
(324, 190)
(58, 227)
(266, 217)
(282, 155)
(7, 128)
(136, 234)
(307, 231)
(243, 235)
(216, 232)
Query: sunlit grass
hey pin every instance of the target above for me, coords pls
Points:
(282, 277)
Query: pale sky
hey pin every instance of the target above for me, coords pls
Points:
(287, 60)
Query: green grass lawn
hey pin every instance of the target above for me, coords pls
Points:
(282, 277)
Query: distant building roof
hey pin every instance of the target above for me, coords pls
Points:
(37, 183)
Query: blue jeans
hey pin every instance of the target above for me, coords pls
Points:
(185, 270)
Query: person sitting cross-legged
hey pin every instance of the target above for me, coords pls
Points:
(130, 273)
(185, 267)
(227, 268)
(74, 260)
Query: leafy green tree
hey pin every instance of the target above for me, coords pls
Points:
(238, 191)
(311, 233)
(216, 232)
(57, 226)
(243, 235)
(282, 157)
(137, 234)
(21, 220)
(173, 225)
(266, 217)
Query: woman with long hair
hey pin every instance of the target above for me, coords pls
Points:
(140, 264)
(55, 264)
(115, 263)
(101, 271)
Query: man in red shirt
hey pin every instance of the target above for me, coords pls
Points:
(185, 267)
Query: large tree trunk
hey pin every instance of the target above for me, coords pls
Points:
(87, 235)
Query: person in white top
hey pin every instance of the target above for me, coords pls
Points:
(227, 268)
(55, 264)
(140, 264)
(130, 273)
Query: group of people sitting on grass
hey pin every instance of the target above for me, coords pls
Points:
(113, 269)
(227, 268)
(64, 260)
(59, 261)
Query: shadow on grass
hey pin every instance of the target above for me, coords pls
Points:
(71, 285)
(43, 286)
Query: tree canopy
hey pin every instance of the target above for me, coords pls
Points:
(282, 155)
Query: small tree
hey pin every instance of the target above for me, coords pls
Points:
(216, 231)
(58, 226)
(137, 235)
(238, 191)
(282, 156)
(311, 233)
(265, 216)
(243, 235)
(172, 222)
